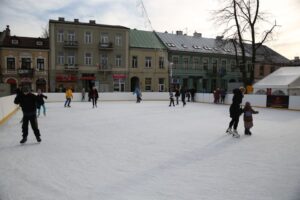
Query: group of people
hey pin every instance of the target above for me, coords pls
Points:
(93, 96)
(236, 111)
(219, 95)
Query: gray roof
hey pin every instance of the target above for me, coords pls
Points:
(197, 44)
(265, 54)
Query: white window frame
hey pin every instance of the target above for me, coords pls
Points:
(40, 67)
(60, 58)
(88, 59)
(60, 36)
(71, 36)
(118, 40)
(118, 60)
(87, 37)
(161, 62)
(134, 62)
(104, 38)
(148, 62)
(71, 60)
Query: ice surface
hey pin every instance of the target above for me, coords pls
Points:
(129, 151)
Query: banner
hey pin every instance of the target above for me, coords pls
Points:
(277, 101)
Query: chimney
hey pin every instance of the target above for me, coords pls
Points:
(61, 19)
(92, 21)
(76, 20)
(297, 59)
(7, 30)
(179, 32)
(197, 35)
(219, 37)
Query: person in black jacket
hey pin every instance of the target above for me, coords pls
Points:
(40, 102)
(94, 96)
(235, 111)
(27, 102)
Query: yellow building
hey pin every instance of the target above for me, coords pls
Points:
(24, 61)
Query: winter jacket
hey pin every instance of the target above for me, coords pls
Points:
(27, 102)
(40, 99)
(237, 96)
(94, 94)
(248, 111)
(69, 93)
(235, 110)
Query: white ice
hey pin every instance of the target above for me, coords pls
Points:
(149, 151)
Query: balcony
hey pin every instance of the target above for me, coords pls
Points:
(71, 44)
(106, 46)
(71, 67)
(25, 72)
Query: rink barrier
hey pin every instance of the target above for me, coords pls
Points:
(7, 106)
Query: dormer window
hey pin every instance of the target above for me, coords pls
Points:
(196, 47)
(184, 46)
(14, 41)
(171, 44)
(39, 43)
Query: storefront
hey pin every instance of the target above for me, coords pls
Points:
(41, 84)
(119, 82)
(13, 84)
(64, 81)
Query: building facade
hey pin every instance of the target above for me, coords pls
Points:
(84, 55)
(202, 64)
(148, 68)
(24, 61)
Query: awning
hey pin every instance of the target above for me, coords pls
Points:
(66, 78)
(11, 81)
(88, 78)
(119, 76)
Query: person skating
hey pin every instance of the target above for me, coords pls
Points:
(183, 94)
(69, 96)
(248, 119)
(171, 99)
(94, 96)
(235, 111)
(28, 102)
(83, 94)
(138, 93)
(41, 102)
(177, 95)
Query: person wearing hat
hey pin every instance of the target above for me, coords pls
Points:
(27, 102)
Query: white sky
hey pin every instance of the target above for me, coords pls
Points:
(27, 17)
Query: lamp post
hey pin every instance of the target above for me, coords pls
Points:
(171, 75)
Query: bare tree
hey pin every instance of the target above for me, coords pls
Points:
(240, 19)
(45, 32)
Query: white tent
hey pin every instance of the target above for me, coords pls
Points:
(284, 81)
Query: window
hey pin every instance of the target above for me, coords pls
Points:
(161, 63)
(196, 63)
(26, 63)
(39, 43)
(104, 61)
(104, 38)
(88, 59)
(215, 66)
(119, 85)
(185, 63)
(11, 64)
(205, 64)
(61, 58)
(71, 36)
(233, 65)
(118, 40)
(147, 84)
(60, 36)
(71, 59)
(14, 41)
(134, 63)
(175, 62)
(40, 65)
(148, 61)
(87, 37)
(118, 61)
(161, 84)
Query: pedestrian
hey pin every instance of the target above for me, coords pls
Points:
(193, 91)
(94, 96)
(235, 111)
(223, 95)
(171, 99)
(69, 96)
(183, 94)
(138, 93)
(27, 102)
(188, 95)
(83, 94)
(248, 119)
(177, 95)
(41, 102)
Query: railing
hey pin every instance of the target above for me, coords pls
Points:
(71, 44)
(105, 46)
(71, 67)
(25, 72)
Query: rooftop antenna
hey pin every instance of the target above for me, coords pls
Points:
(141, 5)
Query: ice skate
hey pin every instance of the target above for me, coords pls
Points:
(23, 140)
(229, 131)
(235, 134)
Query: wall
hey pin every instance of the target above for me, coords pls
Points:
(7, 106)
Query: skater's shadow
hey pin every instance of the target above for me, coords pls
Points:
(17, 146)
(212, 149)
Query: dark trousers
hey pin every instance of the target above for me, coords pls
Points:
(68, 101)
(234, 122)
(177, 102)
(34, 125)
(183, 100)
(172, 102)
(94, 102)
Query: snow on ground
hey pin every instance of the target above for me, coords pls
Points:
(129, 151)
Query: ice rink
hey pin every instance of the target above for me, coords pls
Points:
(149, 151)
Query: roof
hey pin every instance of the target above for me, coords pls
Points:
(144, 39)
(25, 42)
(281, 78)
(198, 44)
(267, 55)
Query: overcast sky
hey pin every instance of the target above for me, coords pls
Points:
(28, 17)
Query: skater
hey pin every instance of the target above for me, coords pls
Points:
(138, 93)
(193, 91)
(223, 95)
(41, 102)
(183, 94)
(27, 102)
(248, 119)
(188, 95)
(94, 96)
(177, 95)
(235, 111)
(83, 94)
(69, 96)
(171, 99)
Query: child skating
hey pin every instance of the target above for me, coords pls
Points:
(248, 119)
